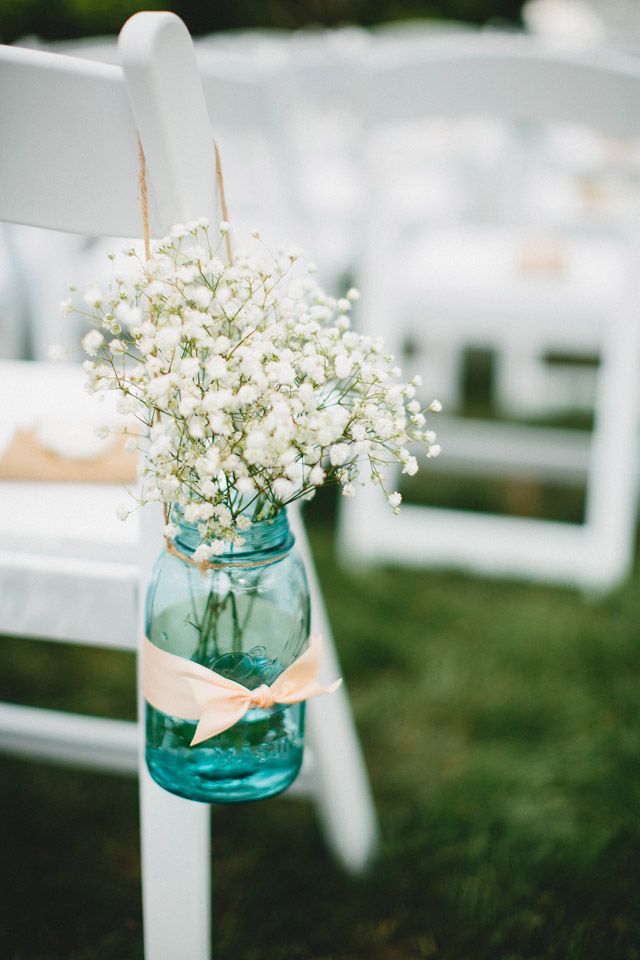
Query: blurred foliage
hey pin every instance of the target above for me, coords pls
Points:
(66, 19)
(501, 727)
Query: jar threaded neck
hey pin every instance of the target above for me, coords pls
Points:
(262, 538)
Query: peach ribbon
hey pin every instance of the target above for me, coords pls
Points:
(182, 688)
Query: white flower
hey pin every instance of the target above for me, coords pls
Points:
(128, 315)
(317, 475)
(131, 444)
(283, 488)
(91, 342)
(122, 512)
(338, 453)
(203, 552)
(189, 367)
(224, 226)
(434, 450)
(168, 338)
(65, 307)
(171, 530)
(216, 367)
(395, 499)
(251, 387)
(344, 366)
(201, 296)
(410, 466)
(93, 296)
(245, 486)
(435, 406)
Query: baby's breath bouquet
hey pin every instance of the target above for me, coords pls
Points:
(251, 391)
(248, 381)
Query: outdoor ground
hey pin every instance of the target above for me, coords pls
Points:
(501, 726)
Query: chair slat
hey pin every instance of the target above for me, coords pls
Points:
(69, 141)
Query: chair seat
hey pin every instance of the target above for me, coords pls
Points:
(60, 519)
(49, 531)
(68, 520)
(487, 276)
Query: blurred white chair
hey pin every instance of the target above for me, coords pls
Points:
(14, 286)
(68, 570)
(579, 184)
(286, 132)
(483, 301)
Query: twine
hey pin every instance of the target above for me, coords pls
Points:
(223, 200)
(144, 198)
(204, 565)
(144, 209)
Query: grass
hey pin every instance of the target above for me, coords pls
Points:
(501, 727)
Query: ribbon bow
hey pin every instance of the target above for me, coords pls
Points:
(182, 688)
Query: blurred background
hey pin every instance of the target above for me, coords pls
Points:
(494, 683)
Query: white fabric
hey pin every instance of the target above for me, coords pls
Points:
(54, 519)
(52, 400)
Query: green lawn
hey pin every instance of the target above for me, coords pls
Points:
(501, 726)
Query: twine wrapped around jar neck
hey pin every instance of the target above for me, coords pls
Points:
(264, 542)
(204, 565)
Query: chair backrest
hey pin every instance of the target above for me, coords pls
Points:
(514, 78)
(70, 145)
(70, 154)
(510, 87)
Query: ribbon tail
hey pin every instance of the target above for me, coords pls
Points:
(217, 717)
(311, 689)
(300, 680)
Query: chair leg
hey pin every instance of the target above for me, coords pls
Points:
(340, 787)
(176, 874)
(174, 833)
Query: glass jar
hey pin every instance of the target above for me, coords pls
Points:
(245, 616)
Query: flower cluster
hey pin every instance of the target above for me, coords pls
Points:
(251, 387)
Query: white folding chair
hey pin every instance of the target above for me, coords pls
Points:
(285, 134)
(516, 81)
(70, 163)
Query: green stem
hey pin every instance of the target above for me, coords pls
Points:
(236, 642)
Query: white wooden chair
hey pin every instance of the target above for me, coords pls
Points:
(281, 124)
(70, 162)
(516, 81)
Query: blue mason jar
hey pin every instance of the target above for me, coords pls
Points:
(246, 616)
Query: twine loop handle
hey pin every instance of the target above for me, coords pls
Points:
(144, 198)
(144, 210)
